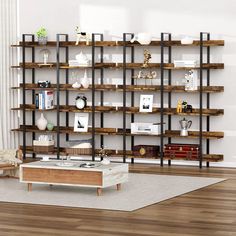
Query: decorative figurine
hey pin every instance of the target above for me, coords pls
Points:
(81, 35)
(147, 57)
(103, 154)
(186, 107)
(179, 107)
(190, 80)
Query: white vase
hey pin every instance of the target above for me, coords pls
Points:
(41, 122)
(85, 80)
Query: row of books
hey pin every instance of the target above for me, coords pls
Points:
(44, 100)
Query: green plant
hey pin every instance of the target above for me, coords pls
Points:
(42, 32)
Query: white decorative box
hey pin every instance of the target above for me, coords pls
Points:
(146, 128)
(43, 143)
(185, 63)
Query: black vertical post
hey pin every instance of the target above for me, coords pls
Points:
(67, 82)
(102, 92)
(169, 94)
(200, 99)
(33, 91)
(132, 96)
(93, 98)
(162, 98)
(24, 90)
(24, 97)
(208, 100)
(124, 97)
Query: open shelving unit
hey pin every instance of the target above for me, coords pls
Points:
(165, 114)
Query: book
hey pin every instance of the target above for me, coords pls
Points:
(48, 99)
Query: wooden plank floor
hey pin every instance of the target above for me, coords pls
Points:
(209, 211)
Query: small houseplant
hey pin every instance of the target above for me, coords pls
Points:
(42, 36)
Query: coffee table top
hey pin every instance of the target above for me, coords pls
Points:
(73, 165)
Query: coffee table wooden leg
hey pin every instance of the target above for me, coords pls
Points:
(29, 187)
(118, 187)
(99, 191)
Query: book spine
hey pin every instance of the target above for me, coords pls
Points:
(43, 100)
(37, 101)
(40, 100)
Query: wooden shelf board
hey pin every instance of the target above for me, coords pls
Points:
(119, 131)
(129, 110)
(129, 154)
(121, 43)
(129, 88)
(205, 158)
(167, 66)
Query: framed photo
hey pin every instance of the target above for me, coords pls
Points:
(81, 122)
(146, 102)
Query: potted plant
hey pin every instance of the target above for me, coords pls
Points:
(42, 36)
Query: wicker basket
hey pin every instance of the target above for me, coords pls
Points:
(43, 148)
(79, 151)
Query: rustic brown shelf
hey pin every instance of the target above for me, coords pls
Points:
(129, 110)
(194, 134)
(119, 131)
(119, 153)
(167, 66)
(121, 43)
(205, 157)
(131, 88)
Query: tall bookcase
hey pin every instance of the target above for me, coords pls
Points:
(164, 114)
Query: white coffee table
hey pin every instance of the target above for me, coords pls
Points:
(100, 176)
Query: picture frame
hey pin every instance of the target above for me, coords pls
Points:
(146, 103)
(81, 122)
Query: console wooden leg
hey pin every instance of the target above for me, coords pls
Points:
(29, 187)
(99, 191)
(118, 187)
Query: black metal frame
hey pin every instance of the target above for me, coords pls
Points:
(202, 34)
(58, 88)
(163, 45)
(24, 90)
(93, 92)
(125, 35)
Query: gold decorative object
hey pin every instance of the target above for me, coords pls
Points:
(102, 152)
(147, 57)
(145, 75)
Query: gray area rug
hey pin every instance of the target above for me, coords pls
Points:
(141, 190)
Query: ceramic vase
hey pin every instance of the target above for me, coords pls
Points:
(85, 80)
(42, 40)
(42, 122)
(50, 126)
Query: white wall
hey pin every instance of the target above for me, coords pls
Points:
(178, 17)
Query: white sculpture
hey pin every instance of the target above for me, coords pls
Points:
(190, 80)
(82, 59)
(142, 38)
(81, 36)
(85, 80)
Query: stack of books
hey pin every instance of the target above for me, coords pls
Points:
(44, 100)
